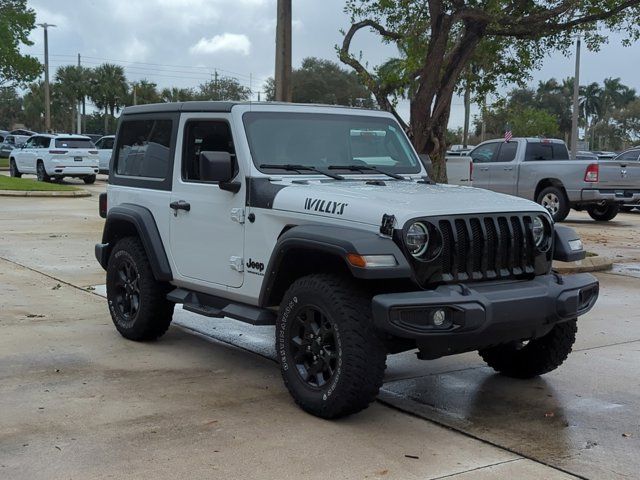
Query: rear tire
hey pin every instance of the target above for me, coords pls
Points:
(331, 359)
(41, 172)
(137, 301)
(89, 179)
(13, 169)
(537, 357)
(555, 201)
(603, 213)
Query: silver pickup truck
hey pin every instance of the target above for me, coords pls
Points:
(540, 170)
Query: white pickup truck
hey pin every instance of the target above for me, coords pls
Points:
(540, 170)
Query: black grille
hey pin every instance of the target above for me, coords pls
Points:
(485, 248)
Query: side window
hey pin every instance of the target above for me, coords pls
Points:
(485, 153)
(538, 151)
(31, 142)
(98, 144)
(143, 148)
(507, 152)
(43, 142)
(560, 151)
(107, 143)
(204, 136)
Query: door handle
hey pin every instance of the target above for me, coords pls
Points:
(484, 169)
(508, 169)
(179, 205)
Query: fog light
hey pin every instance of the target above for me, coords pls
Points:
(439, 317)
(575, 245)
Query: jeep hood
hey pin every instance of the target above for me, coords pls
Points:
(357, 201)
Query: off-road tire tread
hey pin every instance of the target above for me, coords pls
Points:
(565, 208)
(539, 356)
(158, 311)
(364, 360)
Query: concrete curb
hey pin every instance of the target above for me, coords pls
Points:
(45, 193)
(589, 264)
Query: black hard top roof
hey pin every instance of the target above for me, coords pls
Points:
(210, 106)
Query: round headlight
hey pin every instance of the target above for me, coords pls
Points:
(417, 239)
(538, 229)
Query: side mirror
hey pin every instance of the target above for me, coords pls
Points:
(218, 167)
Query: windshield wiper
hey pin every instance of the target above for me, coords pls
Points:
(365, 168)
(296, 168)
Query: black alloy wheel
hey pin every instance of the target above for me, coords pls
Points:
(127, 290)
(313, 347)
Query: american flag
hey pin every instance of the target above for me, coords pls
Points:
(507, 134)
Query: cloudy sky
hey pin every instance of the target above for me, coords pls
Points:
(182, 42)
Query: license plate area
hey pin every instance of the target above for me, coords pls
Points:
(77, 159)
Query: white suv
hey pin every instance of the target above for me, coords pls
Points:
(55, 156)
(323, 222)
(105, 147)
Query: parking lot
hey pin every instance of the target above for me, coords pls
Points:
(207, 401)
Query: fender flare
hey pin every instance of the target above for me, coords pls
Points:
(141, 219)
(338, 241)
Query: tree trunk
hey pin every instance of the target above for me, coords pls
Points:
(467, 116)
(106, 120)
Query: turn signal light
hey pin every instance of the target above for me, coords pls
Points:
(371, 261)
(593, 173)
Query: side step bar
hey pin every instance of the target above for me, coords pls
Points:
(217, 307)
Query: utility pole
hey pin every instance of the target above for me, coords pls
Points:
(79, 103)
(483, 131)
(47, 97)
(283, 52)
(576, 111)
(467, 115)
(135, 95)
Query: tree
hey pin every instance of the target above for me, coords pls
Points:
(175, 94)
(145, 92)
(439, 39)
(324, 81)
(108, 89)
(223, 88)
(73, 83)
(33, 104)
(10, 107)
(16, 23)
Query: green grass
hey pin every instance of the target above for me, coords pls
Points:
(4, 163)
(27, 185)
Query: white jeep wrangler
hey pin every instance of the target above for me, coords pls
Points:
(321, 221)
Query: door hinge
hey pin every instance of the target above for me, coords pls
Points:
(237, 215)
(236, 263)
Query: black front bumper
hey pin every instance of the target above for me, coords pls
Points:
(458, 318)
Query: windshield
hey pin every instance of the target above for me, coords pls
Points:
(327, 140)
(73, 143)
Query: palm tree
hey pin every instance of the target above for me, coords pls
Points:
(591, 107)
(108, 89)
(73, 85)
(176, 95)
(143, 92)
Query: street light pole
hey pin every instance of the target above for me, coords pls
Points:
(47, 96)
(283, 52)
(576, 106)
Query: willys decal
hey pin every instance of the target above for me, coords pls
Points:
(325, 206)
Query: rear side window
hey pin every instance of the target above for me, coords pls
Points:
(73, 143)
(144, 148)
(631, 155)
(42, 142)
(107, 143)
(546, 151)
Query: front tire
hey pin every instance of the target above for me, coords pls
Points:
(13, 169)
(137, 302)
(89, 179)
(331, 359)
(41, 172)
(555, 201)
(603, 213)
(537, 357)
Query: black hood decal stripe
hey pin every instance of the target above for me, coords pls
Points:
(261, 192)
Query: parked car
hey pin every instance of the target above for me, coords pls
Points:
(54, 157)
(605, 155)
(21, 135)
(10, 142)
(105, 148)
(3, 134)
(540, 170)
(582, 155)
(294, 216)
(631, 155)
